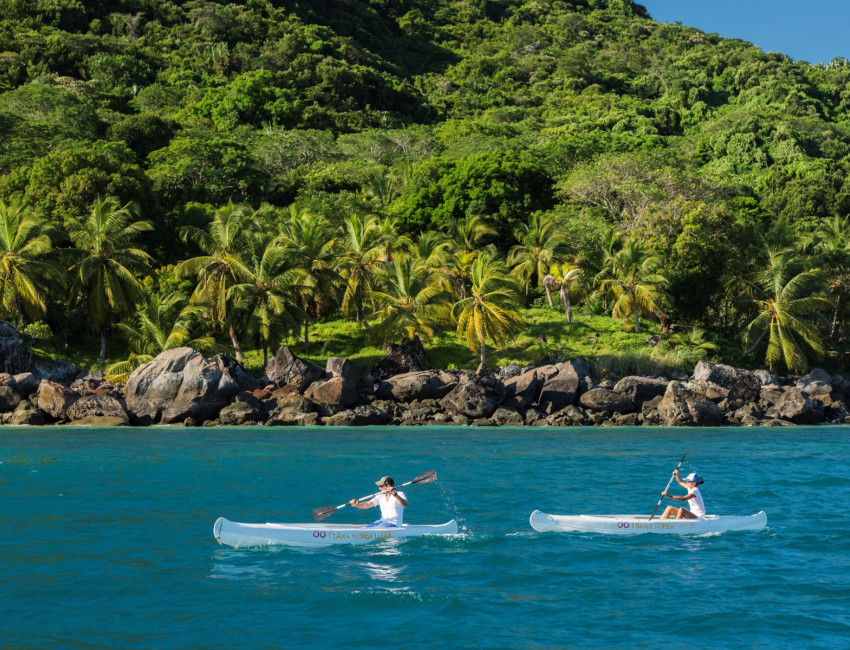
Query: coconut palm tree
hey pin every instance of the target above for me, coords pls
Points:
(632, 282)
(159, 324)
(489, 309)
(25, 266)
(265, 299)
(104, 277)
(788, 303)
(539, 243)
(561, 276)
(311, 243)
(361, 258)
(410, 302)
(692, 345)
(221, 265)
(466, 238)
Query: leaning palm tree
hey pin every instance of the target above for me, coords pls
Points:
(159, 324)
(539, 243)
(632, 282)
(25, 266)
(489, 311)
(104, 277)
(788, 302)
(311, 244)
(361, 258)
(266, 298)
(410, 302)
(561, 276)
(220, 266)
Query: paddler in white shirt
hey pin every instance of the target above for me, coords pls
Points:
(392, 504)
(693, 498)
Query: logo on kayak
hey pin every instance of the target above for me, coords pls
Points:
(319, 533)
(622, 524)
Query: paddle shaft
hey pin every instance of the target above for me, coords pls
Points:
(322, 513)
(669, 483)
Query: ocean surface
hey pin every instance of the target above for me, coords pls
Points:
(107, 539)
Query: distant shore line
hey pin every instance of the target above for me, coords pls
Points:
(181, 386)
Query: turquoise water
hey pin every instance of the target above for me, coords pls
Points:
(107, 539)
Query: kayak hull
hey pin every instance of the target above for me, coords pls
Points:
(238, 535)
(640, 524)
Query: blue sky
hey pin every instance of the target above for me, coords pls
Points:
(806, 30)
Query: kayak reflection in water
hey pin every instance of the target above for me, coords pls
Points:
(392, 504)
(693, 498)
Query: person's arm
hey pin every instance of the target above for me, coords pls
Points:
(678, 480)
(675, 498)
(400, 498)
(361, 505)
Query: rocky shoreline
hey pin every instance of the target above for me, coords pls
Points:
(182, 387)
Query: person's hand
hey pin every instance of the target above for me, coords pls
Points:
(353, 502)
(664, 494)
(676, 473)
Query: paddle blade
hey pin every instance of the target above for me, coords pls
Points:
(425, 477)
(323, 513)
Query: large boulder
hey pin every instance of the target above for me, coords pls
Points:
(13, 353)
(102, 406)
(795, 405)
(246, 409)
(55, 399)
(181, 383)
(287, 369)
(563, 388)
(9, 398)
(684, 405)
(725, 382)
(474, 396)
(407, 356)
(521, 391)
(607, 401)
(417, 386)
(290, 410)
(641, 389)
(26, 413)
(817, 383)
(363, 415)
(342, 367)
(25, 383)
(335, 394)
(60, 371)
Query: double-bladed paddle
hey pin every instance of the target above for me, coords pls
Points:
(424, 477)
(669, 483)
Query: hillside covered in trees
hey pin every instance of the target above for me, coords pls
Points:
(231, 175)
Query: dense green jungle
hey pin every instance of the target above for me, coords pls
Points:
(507, 180)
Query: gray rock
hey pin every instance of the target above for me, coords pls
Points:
(817, 382)
(99, 421)
(334, 394)
(87, 381)
(507, 417)
(181, 383)
(287, 369)
(570, 415)
(509, 371)
(14, 358)
(27, 413)
(55, 399)
(291, 410)
(61, 372)
(407, 356)
(9, 398)
(684, 406)
(641, 389)
(562, 389)
(798, 407)
(522, 391)
(25, 383)
(475, 397)
(413, 386)
(97, 406)
(246, 410)
(607, 401)
(766, 378)
(734, 383)
(363, 415)
(341, 367)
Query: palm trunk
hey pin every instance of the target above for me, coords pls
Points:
(235, 343)
(565, 303)
(483, 357)
(103, 345)
(306, 333)
(549, 296)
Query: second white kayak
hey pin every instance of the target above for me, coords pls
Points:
(640, 524)
(238, 535)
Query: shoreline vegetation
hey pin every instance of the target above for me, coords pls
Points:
(182, 387)
(230, 177)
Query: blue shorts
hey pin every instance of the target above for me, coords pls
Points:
(381, 524)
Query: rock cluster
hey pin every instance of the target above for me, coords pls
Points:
(181, 386)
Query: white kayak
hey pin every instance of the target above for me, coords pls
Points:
(237, 535)
(639, 524)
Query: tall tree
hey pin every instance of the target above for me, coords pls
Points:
(220, 266)
(633, 282)
(788, 301)
(539, 243)
(489, 309)
(361, 258)
(562, 277)
(25, 267)
(105, 275)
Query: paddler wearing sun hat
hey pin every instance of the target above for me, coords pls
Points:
(392, 504)
(693, 498)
